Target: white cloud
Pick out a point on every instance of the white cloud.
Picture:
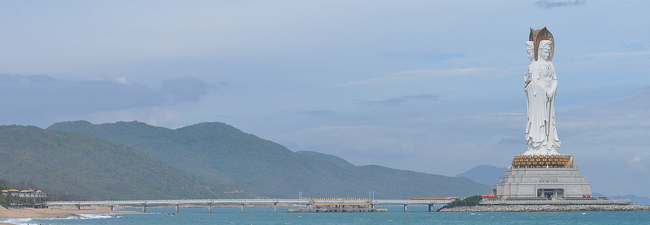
(121, 80)
(428, 75)
(636, 164)
(609, 56)
(399, 100)
(546, 4)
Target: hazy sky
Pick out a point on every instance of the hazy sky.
(430, 86)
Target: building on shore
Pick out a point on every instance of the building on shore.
(35, 197)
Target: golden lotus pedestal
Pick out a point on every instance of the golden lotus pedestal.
(543, 161)
(542, 177)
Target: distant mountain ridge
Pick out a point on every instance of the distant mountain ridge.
(71, 163)
(638, 199)
(327, 158)
(484, 174)
(221, 153)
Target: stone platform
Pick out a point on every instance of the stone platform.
(544, 208)
(548, 183)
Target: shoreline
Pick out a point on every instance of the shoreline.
(53, 212)
(544, 208)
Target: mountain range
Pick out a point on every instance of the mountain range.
(133, 160)
(219, 152)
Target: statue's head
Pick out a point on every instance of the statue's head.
(530, 50)
(536, 36)
(545, 49)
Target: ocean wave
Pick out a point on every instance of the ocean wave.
(96, 216)
(19, 221)
(83, 217)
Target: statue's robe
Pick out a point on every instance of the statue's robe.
(541, 133)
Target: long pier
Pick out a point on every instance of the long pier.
(371, 203)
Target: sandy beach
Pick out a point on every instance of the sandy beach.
(52, 212)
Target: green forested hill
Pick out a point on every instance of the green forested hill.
(71, 163)
(221, 153)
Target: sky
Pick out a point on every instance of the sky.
(428, 86)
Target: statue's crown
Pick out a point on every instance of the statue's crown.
(536, 36)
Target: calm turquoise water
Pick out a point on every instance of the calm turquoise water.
(395, 215)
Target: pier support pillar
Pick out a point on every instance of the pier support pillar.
(176, 208)
(405, 207)
(144, 208)
(112, 207)
(242, 208)
(275, 207)
(78, 206)
(210, 208)
(431, 206)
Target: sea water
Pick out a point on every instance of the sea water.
(395, 215)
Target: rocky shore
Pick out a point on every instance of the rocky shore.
(544, 208)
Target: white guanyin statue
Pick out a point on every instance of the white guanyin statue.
(540, 86)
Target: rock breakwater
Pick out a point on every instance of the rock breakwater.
(544, 208)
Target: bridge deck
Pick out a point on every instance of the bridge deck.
(250, 201)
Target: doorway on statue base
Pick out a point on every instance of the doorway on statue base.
(550, 193)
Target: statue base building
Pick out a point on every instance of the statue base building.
(542, 177)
